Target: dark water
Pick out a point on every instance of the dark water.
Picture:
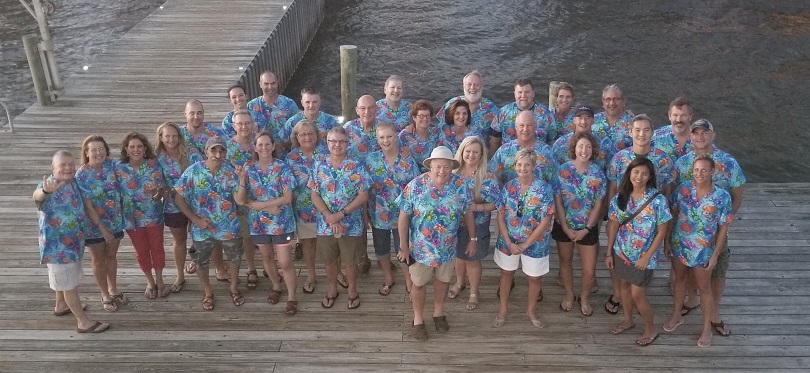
(80, 29)
(745, 65)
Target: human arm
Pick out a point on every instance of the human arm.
(180, 201)
(95, 219)
(469, 222)
(612, 228)
(49, 185)
(403, 225)
(736, 199)
(721, 239)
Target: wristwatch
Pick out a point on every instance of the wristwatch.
(474, 239)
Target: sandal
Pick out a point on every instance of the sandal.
(585, 309)
(643, 342)
(386, 289)
(720, 329)
(97, 327)
(253, 282)
(151, 292)
(685, 310)
(472, 303)
(237, 298)
(328, 302)
(498, 322)
(292, 307)
(109, 305)
(566, 305)
(191, 268)
(352, 305)
(540, 296)
(176, 287)
(68, 311)
(121, 298)
(621, 328)
(273, 296)
(208, 303)
(453, 292)
(163, 291)
(309, 287)
(612, 307)
(535, 322)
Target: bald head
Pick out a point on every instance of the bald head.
(194, 113)
(366, 109)
(269, 84)
(526, 126)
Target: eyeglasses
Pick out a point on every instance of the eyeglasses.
(422, 116)
(306, 134)
(342, 142)
(612, 99)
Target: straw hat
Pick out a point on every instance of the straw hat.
(441, 152)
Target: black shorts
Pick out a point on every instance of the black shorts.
(590, 239)
(274, 239)
(176, 220)
(98, 240)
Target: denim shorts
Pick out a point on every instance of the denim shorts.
(98, 240)
(382, 239)
(482, 247)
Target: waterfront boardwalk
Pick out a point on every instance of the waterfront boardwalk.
(192, 49)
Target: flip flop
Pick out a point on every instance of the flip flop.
(720, 329)
(164, 291)
(97, 327)
(67, 311)
(121, 298)
(352, 305)
(686, 309)
(151, 292)
(341, 279)
(535, 322)
(613, 306)
(646, 342)
(177, 287)
(703, 344)
(566, 305)
(328, 302)
(191, 268)
(498, 322)
(672, 329)
(109, 305)
(386, 289)
(309, 287)
(582, 308)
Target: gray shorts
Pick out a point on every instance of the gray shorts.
(631, 274)
(200, 251)
(719, 272)
(274, 239)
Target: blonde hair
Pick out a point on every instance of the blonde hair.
(182, 150)
(480, 171)
(86, 146)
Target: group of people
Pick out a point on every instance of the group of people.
(272, 175)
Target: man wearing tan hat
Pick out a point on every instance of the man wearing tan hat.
(431, 207)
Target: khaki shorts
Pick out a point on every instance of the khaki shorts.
(347, 248)
(421, 274)
(719, 272)
(307, 230)
(200, 251)
(64, 276)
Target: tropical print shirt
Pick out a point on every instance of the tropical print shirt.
(337, 187)
(238, 155)
(276, 114)
(490, 192)
(140, 209)
(579, 192)
(664, 139)
(483, 115)
(301, 167)
(360, 142)
(449, 138)
(259, 124)
(197, 143)
(323, 121)
(434, 217)
(502, 163)
(727, 172)
(664, 167)
(618, 133)
(398, 116)
(698, 220)
(506, 122)
(101, 188)
(265, 185)
(61, 225)
(559, 150)
(420, 148)
(387, 183)
(562, 127)
(636, 237)
(210, 196)
(524, 209)
(171, 173)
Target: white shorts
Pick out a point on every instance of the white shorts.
(306, 230)
(533, 267)
(64, 277)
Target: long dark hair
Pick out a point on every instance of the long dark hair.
(626, 186)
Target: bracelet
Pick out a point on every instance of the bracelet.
(343, 211)
(43, 191)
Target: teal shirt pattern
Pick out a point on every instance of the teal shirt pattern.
(101, 188)
(61, 225)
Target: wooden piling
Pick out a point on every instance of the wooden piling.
(553, 89)
(348, 81)
(31, 45)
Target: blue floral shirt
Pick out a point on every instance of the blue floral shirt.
(360, 142)
(559, 150)
(323, 121)
(265, 185)
(301, 167)
(484, 114)
(140, 210)
(579, 192)
(420, 148)
(524, 209)
(61, 225)
(434, 217)
(664, 139)
(562, 127)
(727, 172)
(399, 116)
(664, 167)
(490, 192)
(618, 133)
(171, 173)
(506, 122)
(276, 114)
(636, 237)
(197, 143)
(337, 187)
(210, 196)
(238, 155)
(502, 163)
(449, 138)
(695, 232)
(387, 183)
(259, 124)
(101, 188)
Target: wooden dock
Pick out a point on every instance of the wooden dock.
(192, 49)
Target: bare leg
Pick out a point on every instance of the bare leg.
(202, 274)
(587, 258)
(270, 265)
(179, 240)
(565, 251)
(534, 293)
(385, 264)
(332, 268)
(506, 287)
(284, 254)
(439, 295)
(474, 274)
(233, 271)
(99, 264)
(639, 295)
(112, 266)
(461, 273)
(418, 303)
(250, 253)
(71, 297)
(679, 288)
(308, 246)
(704, 283)
(219, 261)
